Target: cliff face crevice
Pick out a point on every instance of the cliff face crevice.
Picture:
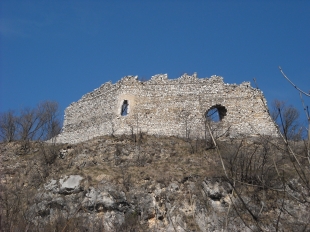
(167, 107)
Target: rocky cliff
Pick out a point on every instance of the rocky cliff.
(149, 183)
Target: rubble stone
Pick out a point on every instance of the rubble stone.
(168, 107)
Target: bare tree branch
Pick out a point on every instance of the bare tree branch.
(308, 95)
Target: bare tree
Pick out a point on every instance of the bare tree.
(8, 126)
(49, 116)
(40, 123)
(296, 87)
(29, 123)
(287, 118)
(306, 108)
(110, 117)
(185, 118)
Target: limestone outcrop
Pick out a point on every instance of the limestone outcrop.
(153, 183)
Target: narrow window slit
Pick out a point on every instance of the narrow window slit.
(124, 110)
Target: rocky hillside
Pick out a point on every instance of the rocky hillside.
(148, 183)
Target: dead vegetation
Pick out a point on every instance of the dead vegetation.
(262, 174)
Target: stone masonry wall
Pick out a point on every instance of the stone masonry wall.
(170, 107)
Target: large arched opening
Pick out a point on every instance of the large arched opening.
(216, 113)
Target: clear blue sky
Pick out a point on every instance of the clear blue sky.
(60, 50)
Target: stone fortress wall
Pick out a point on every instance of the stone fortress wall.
(169, 107)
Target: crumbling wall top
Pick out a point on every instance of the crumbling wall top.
(159, 77)
(128, 79)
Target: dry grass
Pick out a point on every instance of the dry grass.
(148, 160)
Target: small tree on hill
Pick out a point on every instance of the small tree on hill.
(40, 123)
(287, 118)
(8, 127)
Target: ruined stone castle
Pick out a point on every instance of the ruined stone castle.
(169, 107)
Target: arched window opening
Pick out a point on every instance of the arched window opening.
(216, 113)
(124, 109)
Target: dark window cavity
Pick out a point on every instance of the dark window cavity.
(216, 113)
(124, 110)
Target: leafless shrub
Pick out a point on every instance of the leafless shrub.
(13, 205)
(40, 123)
(287, 117)
(8, 127)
